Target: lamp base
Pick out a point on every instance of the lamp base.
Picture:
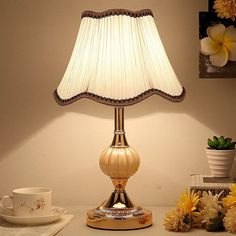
(119, 213)
(100, 220)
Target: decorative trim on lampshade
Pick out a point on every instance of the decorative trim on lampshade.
(119, 60)
(122, 102)
(116, 12)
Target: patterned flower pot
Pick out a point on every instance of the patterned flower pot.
(220, 161)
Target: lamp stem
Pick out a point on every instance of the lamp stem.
(119, 132)
(119, 118)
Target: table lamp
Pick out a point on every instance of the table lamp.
(118, 60)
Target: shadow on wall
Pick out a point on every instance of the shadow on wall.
(36, 45)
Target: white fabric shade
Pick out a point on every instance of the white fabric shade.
(118, 57)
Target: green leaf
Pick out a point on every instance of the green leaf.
(210, 143)
(215, 139)
(227, 144)
(230, 139)
(232, 146)
(221, 146)
(221, 140)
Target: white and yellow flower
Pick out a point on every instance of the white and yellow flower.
(211, 206)
(211, 201)
(220, 44)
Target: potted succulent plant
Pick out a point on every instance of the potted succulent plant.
(220, 153)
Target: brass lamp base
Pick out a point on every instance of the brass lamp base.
(126, 223)
(119, 213)
(119, 161)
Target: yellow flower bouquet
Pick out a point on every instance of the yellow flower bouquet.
(196, 210)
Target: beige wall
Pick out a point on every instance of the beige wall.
(43, 144)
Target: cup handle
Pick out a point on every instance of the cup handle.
(2, 199)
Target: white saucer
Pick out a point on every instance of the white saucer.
(57, 212)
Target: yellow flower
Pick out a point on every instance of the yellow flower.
(230, 220)
(225, 8)
(176, 220)
(220, 44)
(188, 202)
(230, 200)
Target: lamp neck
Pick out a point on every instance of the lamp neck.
(119, 132)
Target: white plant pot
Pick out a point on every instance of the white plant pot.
(220, 161)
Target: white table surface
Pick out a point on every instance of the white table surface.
(78, 227)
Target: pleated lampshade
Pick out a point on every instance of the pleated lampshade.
(118, 59)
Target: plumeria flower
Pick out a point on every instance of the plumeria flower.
(220, 44)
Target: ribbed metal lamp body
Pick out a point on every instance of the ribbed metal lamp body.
(119, 162)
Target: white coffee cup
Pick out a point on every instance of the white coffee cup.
(34, 201)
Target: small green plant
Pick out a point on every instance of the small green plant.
(221, 143)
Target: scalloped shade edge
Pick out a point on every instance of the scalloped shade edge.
(121, 102)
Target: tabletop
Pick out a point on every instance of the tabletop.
(78, 226)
